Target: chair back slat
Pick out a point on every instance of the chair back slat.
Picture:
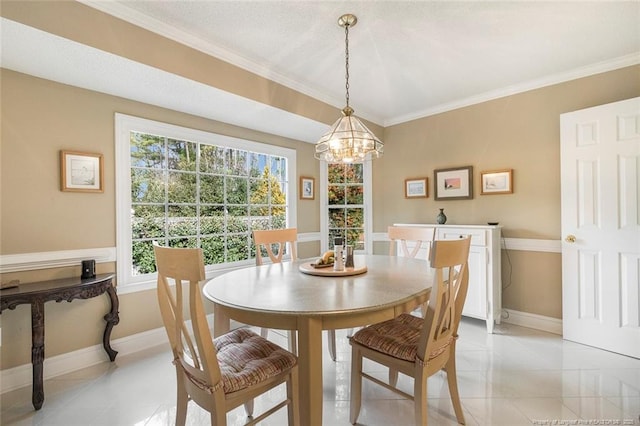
(276, 242)
(401, 236)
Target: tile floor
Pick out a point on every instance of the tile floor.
(517, 376)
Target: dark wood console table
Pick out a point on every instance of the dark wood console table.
(36, 294)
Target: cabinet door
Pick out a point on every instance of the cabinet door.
(476, 303)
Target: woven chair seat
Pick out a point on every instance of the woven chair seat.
(397, 337)
(247, 359)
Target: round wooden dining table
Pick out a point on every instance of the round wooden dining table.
(281, 296)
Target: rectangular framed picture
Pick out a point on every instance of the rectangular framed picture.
(496, 182)
(307, 188)
(416, 188)
(81, 172)
(453, 184)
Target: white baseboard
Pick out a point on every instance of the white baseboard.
(537, 322)
(21, 376)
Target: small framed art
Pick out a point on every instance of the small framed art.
(416, 188)
(496, 182)
(453, 184)
(81, 172)
(307, 188)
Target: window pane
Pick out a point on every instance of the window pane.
(147, 150)
(336, 218)
(279, 168)
(211, 220)
(355, 218)
(336, 173)
(354, 173)
(257, 163)
(237, 162)
(182, 187)
(336, 195)
(211, 189)
(260, 223)
(355, 194)
(237, 248)
(278, 219)
(237, 219)
(182, 221)
(144, 261)
(181, 155)
(212, 249)
(211, 159)
(147, 221)
(147, 186)
(236, 190)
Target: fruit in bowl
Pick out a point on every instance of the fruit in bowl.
(327, 258)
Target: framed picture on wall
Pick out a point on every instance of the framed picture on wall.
(496, 182)
(416, 188)
(81, 172)
(307, 188)
(453, 184)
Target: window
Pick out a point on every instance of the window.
(346, 195)
(187, 188)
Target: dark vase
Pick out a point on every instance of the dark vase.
(441, 218)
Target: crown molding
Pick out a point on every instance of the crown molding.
(598, 68)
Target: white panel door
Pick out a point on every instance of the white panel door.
(600, 171)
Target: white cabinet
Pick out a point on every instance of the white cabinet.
(484, 298)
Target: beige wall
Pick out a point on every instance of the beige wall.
(39, 118)
(520, 132)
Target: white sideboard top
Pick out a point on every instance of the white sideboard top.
(450, 225)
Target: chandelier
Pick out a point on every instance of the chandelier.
(348, 140)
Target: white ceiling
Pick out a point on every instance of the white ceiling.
(408, 59)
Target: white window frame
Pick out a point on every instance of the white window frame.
(367, 181)
(124, 125)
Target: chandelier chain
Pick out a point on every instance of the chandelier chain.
(348, 140)
(346, 54)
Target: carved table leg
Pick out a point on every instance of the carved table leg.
(37, 352)
(112, 318)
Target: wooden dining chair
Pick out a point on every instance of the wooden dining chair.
(419, 347)
(275, 243)
(223, 373)
(402, 237)
(409, 241)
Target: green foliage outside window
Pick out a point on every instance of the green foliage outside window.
(187, 194)
(346, 204)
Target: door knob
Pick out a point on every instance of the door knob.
(570, 239)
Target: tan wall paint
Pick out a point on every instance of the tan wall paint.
(521, 132)
(39, 118)
(532, 282)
